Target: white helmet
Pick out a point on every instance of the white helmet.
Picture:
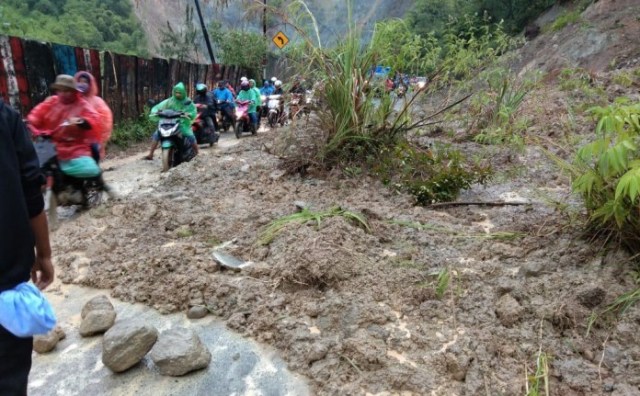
(278, 83)
(273, 80)
(244, 79)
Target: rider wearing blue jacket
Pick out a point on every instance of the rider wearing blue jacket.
(224, 94)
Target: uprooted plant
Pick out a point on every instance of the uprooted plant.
(357, 125)
(307, 215)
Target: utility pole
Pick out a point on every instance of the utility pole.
(264, 32)
(204, 32)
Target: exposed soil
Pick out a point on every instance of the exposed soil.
(358, 312)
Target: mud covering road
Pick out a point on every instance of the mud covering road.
(359, 311)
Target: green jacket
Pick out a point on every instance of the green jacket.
(249, 94)
(184, 105)
(257, 93)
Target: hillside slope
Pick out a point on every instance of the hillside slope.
(330, 14)
(606, 34)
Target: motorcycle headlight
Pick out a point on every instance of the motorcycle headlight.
(263, 98)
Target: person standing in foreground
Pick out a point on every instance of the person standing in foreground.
(23, 225)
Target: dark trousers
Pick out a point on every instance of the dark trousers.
(15, 363)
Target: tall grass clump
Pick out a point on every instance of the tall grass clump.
(356, 126)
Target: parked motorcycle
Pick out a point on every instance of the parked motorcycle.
(175, 147)
(203, 132)
(275, 112)
(223, 119)
(243, 123)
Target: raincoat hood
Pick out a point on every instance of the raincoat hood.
(93, 85)
(253, 81)
(179, 87)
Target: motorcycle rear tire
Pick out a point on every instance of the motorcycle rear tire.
(167, 159)
(272, 120)
(238, 129)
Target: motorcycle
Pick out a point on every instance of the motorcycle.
(204, 134)
(175, 147)
(296, 105)
(62, 189)
(275, 110)
(223, 120)
(243, 123)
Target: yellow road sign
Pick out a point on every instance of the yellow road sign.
(280, 40)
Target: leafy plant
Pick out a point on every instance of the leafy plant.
(133, 130)
(241, 48)
(437, 174)
(180, 44)
(306, 215)
(607, 173)
(442, 282)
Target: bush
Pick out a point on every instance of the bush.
(132, 131)
(607, 174)
(437, 174)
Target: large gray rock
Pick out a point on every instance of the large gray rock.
(46, 343)
(126, 343)
(98, 315)
(180, 351)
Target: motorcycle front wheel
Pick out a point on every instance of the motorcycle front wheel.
(167, 159)
(238, 129)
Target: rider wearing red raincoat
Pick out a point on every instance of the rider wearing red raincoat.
(69, 119)
(88, 86)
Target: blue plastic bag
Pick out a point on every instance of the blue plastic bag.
(25, 312)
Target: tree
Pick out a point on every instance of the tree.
(180, 44)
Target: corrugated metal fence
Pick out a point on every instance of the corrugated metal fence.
(28, 67)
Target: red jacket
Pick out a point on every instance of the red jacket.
(71, 141)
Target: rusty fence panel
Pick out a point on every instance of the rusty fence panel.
(126, 83)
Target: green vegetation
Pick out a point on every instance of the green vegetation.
(131, 131)
(306, 215)
(431, 175)
(567, 18)
(442, 282)
(538, 383)
(241, 48)
(180, 44)
(101, 24)
(607, 173)
(432, 15)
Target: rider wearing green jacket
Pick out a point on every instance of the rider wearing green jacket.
(246, 93)
(178, 102)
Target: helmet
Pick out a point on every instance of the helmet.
(201, 87)
(244, 85)
(273, 79)
(244, 79)
(278, 83)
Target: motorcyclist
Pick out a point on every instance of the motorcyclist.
(278, 88)
(267, 88)
(88, 86)
(258, 96)
(70, 120)
(178, 102)
(246, 93)
(297, 87)
(222, 93)
(205, 103)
